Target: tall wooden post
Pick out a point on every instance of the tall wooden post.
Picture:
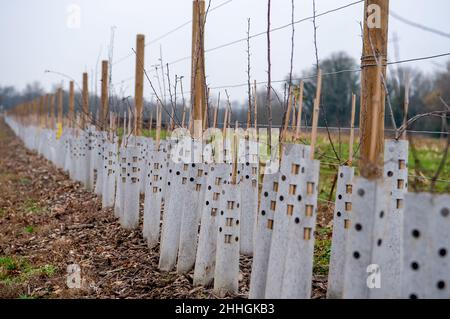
(104, 98)
(46, 101)
(300, 109)
(406, 106)
(352, 131)
(52, 111)
(139, 84)
(376, 18)
(198, 87)
(41, 111)
(71, 104)
(60, 106)
(85, 93)
(315, 120)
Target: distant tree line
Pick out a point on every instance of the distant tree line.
(428, 92)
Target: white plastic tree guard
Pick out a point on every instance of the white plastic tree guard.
(83, 159)
(109, 175)
(131, 198)
(190, 217)
(289, 183)
(298, 267)
(141, 144)
(249, 195)
(426, 247)
(91, 132)
(99, 151)
(226, 271)
(367, 256)
(170, 235)
(341, 226)
(121, 178)
(157, 181)
(263, 236)
(211, 205)
(67, 154)
(146, 156)
(73, 158)
(396, 172)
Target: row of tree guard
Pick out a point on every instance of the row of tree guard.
(204, 214)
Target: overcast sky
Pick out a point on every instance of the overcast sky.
(35, 35)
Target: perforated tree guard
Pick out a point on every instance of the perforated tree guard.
(157, 182)
(206, 252)
(290, 200)
(263, 236)
(175, 194)
(226, 272)
(131, 199)
(109, 175)
(341, 227)
(426, 247)
(249, 195)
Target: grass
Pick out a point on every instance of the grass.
(29, 229)
(26, 297)
(33, 207)
(322, 251)
(17, 270)
(2, 212)
(147, 133)
(24, 181)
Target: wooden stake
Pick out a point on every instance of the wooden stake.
(352, 131)
(46, 109)
(52, 111)
(316, 113)
(294, 113)
(375, 42)
(406, 106)
(158, 125)
(216, 111)
(225, 121)
(60, 106)
(104, 98)
(85, 116)
(288, 117)
(205, 117)
(139, 84)
(376, 123)
(71, 104)
(300, 109)
(198, 100)
(183, 118)
(235, 154)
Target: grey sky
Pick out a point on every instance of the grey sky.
(35, 37)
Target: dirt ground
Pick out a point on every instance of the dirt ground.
(48, 222)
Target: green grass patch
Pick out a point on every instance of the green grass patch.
(32, 206)
(17, 270)
(147, 133)
(24, 181)
(29, 229)
(2, 212)
(322, 251)
(26, 297)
